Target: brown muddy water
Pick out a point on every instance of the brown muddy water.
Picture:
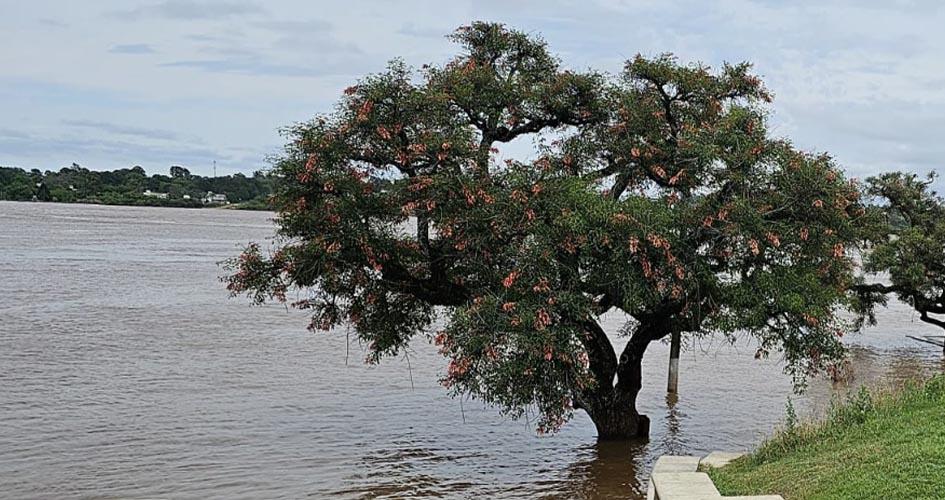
(125, 371)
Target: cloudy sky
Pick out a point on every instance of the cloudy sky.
(111, 84)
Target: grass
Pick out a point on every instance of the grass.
(880, 445)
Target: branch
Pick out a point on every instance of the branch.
(434, 291)
(876, 288)
(930, 320)
(603, 358)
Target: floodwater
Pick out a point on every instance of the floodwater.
(125, 371)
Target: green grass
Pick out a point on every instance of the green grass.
(882, 446)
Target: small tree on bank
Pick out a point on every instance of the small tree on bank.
(658, 194)
(908, 246)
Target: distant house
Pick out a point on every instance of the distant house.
(152, 194)
(186, 197)
(214, 198)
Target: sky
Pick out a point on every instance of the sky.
(112, 84)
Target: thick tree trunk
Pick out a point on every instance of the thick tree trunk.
(612, 407)
(616, 418)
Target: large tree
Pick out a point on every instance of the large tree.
(907, 246)
(658, 193)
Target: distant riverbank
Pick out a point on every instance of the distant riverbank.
(134, 187)
(258, 205)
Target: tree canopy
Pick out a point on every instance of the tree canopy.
(658, 192)
(907, 245)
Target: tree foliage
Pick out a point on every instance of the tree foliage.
(908, 245)
(657, 192)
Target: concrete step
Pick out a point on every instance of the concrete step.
(675, 477)
(671, 463)
(684, 486)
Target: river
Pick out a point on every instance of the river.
(126, 371)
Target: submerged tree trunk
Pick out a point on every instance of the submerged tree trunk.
(612, 407)
(616, 418)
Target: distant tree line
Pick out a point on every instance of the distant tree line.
(127, 186)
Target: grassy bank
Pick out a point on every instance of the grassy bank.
(887, 446)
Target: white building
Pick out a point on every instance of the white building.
(152, 194)
(213, 198)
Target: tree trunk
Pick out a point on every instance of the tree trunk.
(616, 418)
(612, 407)
(672, 385)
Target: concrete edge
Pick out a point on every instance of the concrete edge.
(676, 477)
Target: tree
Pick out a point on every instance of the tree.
(908, 246)
(658, 194)
(178, 171)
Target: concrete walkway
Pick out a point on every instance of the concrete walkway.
(677, 478)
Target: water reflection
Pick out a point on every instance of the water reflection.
(672, 439)
(607, 469)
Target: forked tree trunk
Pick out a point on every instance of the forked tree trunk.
(613, 408)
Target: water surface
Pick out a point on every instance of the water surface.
(126, 372)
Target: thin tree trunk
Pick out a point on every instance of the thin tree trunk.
(672, 385)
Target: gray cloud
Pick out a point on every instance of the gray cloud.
(53, 23)
(255, 66)
(132, 48)
(108, 153)
(284, 48)
(191, 10)
(128, 130)
(296, 25)
(413, 30)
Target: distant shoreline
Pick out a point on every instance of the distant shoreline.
(247, 206)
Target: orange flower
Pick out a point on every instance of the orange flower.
(773, 239)
(838, 250)
(542, 319)
(365, 110)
